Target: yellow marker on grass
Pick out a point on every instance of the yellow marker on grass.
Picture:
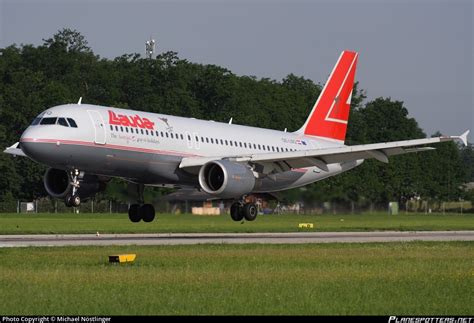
(123, 258)
(305, 225)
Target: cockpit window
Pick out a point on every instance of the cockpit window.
(63, 122)
(48, 121)
(72, 122)
(36, 121)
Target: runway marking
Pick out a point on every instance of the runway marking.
(230, 238)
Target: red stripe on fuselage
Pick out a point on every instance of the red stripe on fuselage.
(118, 147)
(125, 148)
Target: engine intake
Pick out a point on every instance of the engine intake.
(226, 179)
(58, 184)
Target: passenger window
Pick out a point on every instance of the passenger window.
(231, 142)
(126, 129)
(212, 141)
(72, 123)
(112, 128)
(207, 140)
(167, 136)
(116, 128)
(263, 147)
(182, 138)
(226, 143)
(48, 121)
(245, 144)
(259, 147)
(171, 135)
(121, 129)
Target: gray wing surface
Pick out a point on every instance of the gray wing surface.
(284, 161)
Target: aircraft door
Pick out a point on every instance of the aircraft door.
(99, 126)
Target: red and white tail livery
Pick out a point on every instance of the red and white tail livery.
(330, 114)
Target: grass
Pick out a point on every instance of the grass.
(119, 223)
(420, 278)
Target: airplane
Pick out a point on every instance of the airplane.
(86, 145)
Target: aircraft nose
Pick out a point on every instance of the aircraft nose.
(30, 144)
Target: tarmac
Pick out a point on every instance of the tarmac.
(98, 239)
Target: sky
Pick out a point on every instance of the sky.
(419, 52)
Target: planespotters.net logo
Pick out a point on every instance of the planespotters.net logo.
(407, 319)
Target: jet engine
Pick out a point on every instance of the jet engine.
(226, 179)
(58, 184)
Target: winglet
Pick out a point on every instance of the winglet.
(463, 137)
(80, 101)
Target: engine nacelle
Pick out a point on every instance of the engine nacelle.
(226, 179)
(58, 184)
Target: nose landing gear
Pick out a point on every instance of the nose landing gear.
(73, 199)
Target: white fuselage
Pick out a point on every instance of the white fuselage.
(147, 147)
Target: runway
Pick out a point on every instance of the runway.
(229, 238)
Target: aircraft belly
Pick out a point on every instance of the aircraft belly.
(144, 167)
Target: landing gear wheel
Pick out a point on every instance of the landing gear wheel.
(133, 213)
(250, 211)
(147, 212)
(75, 200)
(236, 212)
(68, 201)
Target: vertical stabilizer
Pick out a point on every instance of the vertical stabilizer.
(330, 114)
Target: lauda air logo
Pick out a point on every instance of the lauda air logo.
(128, 121)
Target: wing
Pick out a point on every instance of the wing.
(280, 162)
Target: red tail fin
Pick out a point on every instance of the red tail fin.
(330, 114)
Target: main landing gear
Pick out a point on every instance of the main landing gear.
(140, 211)
(240, 210)
(145, 212)
(73, 199)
